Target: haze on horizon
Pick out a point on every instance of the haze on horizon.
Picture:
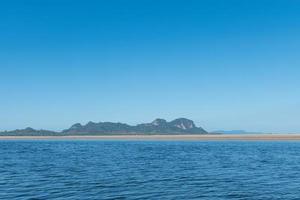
(224, 64)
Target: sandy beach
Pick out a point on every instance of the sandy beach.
(252, 137)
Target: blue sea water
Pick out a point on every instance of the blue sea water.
(149, 170)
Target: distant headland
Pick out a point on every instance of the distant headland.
(180, 126)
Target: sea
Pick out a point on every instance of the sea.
(70, 170)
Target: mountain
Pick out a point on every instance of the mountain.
(92, 128)
(158, 126)
(29, 132)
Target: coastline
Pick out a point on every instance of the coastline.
(209, 137)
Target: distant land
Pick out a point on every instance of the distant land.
(240, 132)
(178, 126)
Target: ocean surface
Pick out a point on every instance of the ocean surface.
(149, 170)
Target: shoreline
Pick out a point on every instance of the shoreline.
(210, 137)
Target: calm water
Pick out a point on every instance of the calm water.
(149, 170)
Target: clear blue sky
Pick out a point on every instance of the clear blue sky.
(225, 64)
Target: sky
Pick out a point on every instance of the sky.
(226, 64)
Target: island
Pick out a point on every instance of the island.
(180, 129)
(180, 126)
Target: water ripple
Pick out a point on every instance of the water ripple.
(149, 170)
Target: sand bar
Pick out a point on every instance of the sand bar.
(210, 137)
